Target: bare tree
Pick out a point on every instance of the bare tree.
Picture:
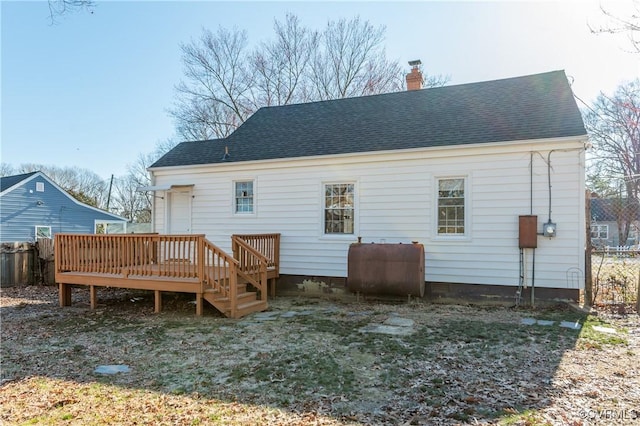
(622, 24)
(225, 83)
(197, 118)
(84, 185)
(216, 95)
(58, 8)
(280, 65)
(613, 124)
(352, 62)
(6, 169)
(127, 201)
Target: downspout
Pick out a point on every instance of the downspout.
(533, 263)
(531, 183)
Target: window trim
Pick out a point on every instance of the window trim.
(40, 227)
(356, 209)
(234, 205)
(466, 236)
(600, 226)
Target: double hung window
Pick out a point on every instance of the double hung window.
(339, 208)
(243, 197)
(451, 207)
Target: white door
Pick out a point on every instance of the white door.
(180, 212)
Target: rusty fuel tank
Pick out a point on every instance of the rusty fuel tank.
(386, 269)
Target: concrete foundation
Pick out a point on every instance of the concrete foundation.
(437, 292)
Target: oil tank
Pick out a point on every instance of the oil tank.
(386, 269)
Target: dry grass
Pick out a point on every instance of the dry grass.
(615, 283)
(310, 366)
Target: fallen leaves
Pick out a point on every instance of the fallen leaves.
(459, 365)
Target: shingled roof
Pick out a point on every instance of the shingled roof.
(532, 107)
(7, 182)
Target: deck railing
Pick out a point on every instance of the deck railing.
(266, 244)
(129, 254)
(146, 255)
(190, 258)
(218, 270)
(252, 265)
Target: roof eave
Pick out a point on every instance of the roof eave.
(577, 138)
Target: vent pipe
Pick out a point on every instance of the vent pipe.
(226, 156)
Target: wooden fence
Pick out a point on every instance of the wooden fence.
(26, 263)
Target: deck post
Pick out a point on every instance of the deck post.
(273, 288)
(199, 304)
(233, 291)
(64, 294)
(158, 301)
(92, 297)
(200, 259)
(264, 282)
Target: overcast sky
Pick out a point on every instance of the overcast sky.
(92, 90)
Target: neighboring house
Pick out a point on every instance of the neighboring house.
(450, 167)
(33, 206)
(607, 214)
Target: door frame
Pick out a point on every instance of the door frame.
(169, 203)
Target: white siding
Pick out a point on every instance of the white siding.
(396, 202)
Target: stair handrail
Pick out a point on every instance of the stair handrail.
(267, 244)
(252, 265)
(223, 266)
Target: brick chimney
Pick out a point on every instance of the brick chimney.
(414, 78)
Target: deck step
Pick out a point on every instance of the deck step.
(246, 303)
(241, 297)
(247, 308)
(240, 288)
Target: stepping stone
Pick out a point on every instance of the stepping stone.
(266, 316)
(112, 369)
(359, 314)
(607, 330)
(399, 322)
(528, 321)
(545, 323)
(387, 329)
(289, 314)
(572, 325)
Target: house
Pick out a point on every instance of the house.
(452, 168)
(33, 206)
(608, 215)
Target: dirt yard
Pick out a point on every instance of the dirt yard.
(311, 362)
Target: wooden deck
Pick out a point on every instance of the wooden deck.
(235, 285)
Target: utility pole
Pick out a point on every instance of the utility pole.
(109, 195)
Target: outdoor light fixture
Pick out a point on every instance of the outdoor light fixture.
(549, 229)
